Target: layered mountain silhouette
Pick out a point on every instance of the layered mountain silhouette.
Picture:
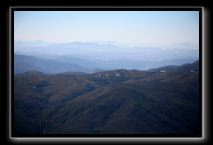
(157, 101)
(88, 56)
(24, 63)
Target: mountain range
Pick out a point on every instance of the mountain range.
(60, 64)
(160, 101)
(89, 56)
(23, 63)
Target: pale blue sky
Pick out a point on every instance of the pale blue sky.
(136, 28)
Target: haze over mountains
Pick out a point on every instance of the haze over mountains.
(91, 88)
(157, 101)
(106, 72)
(89, 56)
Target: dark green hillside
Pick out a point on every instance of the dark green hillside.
(157, 101)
